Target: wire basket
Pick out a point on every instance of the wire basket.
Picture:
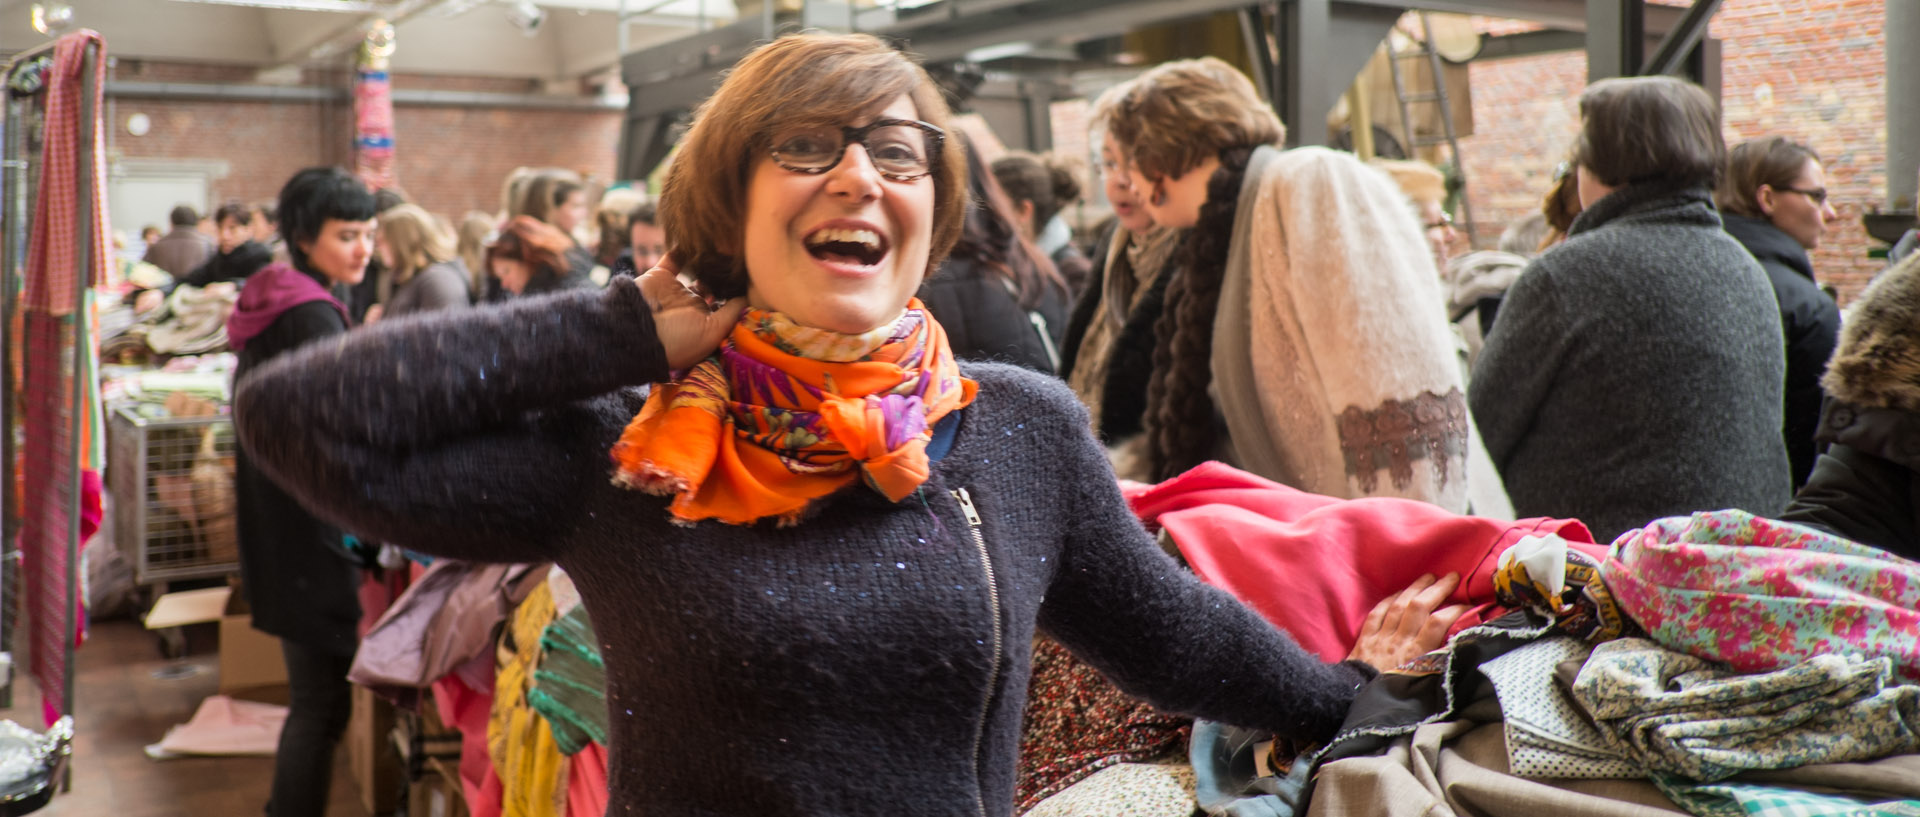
(172, 483)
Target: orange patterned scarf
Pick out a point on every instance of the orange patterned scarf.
(785, 414)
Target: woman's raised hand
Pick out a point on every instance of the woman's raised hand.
(1408, 624)
(688, 327)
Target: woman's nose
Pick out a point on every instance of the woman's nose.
(855, 175)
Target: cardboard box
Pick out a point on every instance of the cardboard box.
(250, 662)
(371, 756)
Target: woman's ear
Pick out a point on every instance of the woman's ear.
(1764, 197)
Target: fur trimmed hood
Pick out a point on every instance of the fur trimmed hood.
(1878, 362)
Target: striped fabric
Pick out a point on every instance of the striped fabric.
(54, 279)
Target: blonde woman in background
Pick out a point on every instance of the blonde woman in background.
(423, 270)
(471, 238)
(610, 224)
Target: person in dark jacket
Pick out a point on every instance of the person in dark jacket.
(239, 257)
(530, 257)
(298, 577)
(182, 250)
(1039, 188)
(997, 295)
(1635, 370)
(1866, 485)
(1774, 202)
(824, 551)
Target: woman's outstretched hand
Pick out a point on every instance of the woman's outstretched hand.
(689, 329)
(1409, 624)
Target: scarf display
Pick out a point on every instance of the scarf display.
(783, 414)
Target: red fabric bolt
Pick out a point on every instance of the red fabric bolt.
(1316, 565)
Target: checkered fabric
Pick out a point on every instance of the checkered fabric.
(54, 280)
(1730, 799)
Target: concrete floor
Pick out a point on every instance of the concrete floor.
(122, 707)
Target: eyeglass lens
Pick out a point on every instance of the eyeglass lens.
(902, 149)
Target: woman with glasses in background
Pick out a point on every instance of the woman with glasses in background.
(817, 550)
(1773, 200)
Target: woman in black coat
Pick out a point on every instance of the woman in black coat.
(298, 576)
(997, 295)
(1773, 200)
(1866, 485)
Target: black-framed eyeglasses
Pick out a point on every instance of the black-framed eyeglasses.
(901, 149)
(1817, 195)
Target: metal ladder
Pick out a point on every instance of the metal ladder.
(1438, 96)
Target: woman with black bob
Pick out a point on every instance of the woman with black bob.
(1774, 202)
(817, 559)
(997, 296)
(1636, 371)
(297, 575)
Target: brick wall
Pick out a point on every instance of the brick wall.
(450, 160)
(1813, 71)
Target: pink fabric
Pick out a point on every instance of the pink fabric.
(465, 709)
(587, 782)
(53, 280)
(1314, 565)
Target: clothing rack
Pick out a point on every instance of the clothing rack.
(40, 571)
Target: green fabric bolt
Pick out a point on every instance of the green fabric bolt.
(570, 687)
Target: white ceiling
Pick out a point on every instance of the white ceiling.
(461, 37)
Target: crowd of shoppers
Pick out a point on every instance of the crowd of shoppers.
(717, 408)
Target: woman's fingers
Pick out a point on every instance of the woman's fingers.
(721, 320)
(1428, 598)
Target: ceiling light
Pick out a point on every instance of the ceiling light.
(526, 16)
(52, 19)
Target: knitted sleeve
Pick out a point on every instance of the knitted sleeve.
(1519, 363)
(1128, 609)
(466, 433)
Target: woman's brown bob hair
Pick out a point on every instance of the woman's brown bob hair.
(542, 247)
(1643, 129)
(803, 80)
(1775, 162)
(1178, 114)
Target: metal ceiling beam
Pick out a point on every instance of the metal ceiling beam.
(1303, 29)
(1616, 38)
(1679, 43)
(1569, 15)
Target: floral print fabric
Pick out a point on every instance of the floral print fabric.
(1078, 723)
(1679, 715)
(1759, 594)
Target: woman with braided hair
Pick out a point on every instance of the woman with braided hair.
(1304, 338)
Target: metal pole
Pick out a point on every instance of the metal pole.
(1903, 105)
(77, 414)
(11, 211)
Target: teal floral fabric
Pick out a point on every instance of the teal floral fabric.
(1675, 714)
(1732, 799)
(1759, 594)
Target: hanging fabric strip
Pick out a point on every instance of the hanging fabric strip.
(54, 279)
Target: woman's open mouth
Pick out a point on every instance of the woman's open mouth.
(848, 246)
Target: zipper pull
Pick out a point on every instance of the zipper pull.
(966, 506)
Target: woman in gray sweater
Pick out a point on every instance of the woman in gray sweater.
(825, 550)
(1636, 371)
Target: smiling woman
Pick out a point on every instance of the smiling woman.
(822, 549)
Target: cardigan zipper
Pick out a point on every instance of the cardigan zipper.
(993, 675)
